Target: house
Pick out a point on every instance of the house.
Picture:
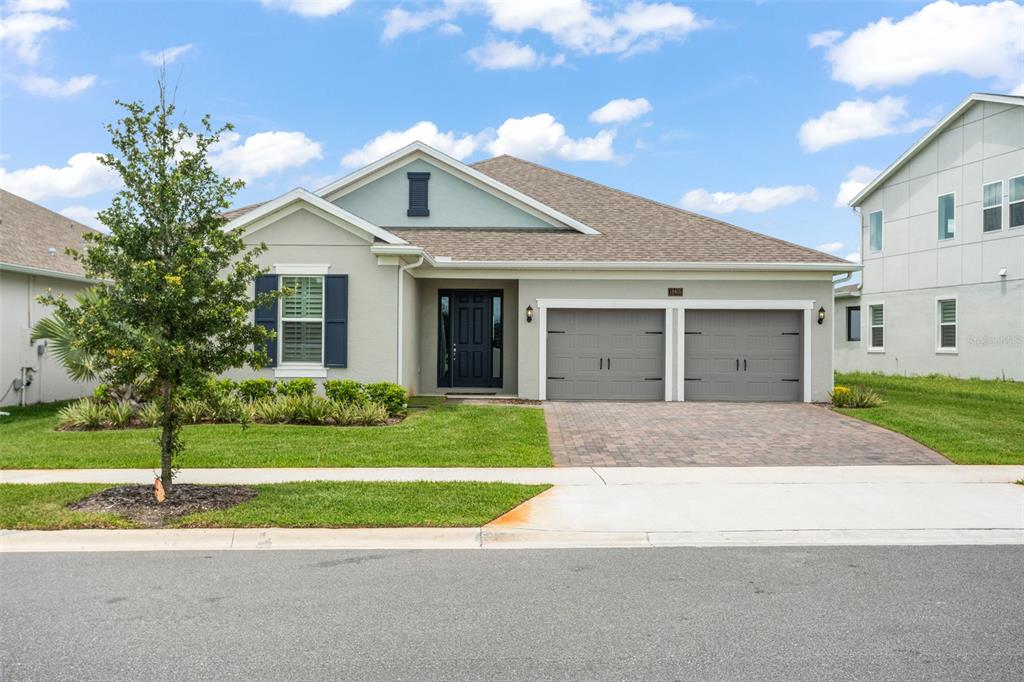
(942, 238)
(32, 261)
(506, 277)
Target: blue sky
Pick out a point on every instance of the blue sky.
(755, 113)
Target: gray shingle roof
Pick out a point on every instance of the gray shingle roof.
(28, 231)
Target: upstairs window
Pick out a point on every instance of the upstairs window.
(877, 313)
(418, 200)
(875, 230)
(853, 323)
(1017, 201)
(947, 216)
(947, 324)
(992, 206)
(302, 320)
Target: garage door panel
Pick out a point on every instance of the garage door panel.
(579, 354)
(719, 341)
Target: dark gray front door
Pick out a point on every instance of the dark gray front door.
(606, 355)
(471, 336)
(743, 355)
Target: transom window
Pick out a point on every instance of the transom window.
(877, 313)
(853, 323)
(1017, 201)
(992, 206)
(947, 216)
(875, 230)
(947, 324)
(302, 320)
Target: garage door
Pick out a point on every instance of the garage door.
(743, 355)
(606, 355)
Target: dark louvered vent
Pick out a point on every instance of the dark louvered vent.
(418, 194)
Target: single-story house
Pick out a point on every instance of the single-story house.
(506, 277)
(33, 241)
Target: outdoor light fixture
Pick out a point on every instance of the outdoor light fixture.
(529, 313)
(821, 314)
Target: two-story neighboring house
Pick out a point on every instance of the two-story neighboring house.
(942, 238)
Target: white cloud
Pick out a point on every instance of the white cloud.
(81, 176)
(853, 257)
(856, 180)
(45, 86)
(452, 144)
(504, 54)
(450, 29)
(35, 5)
(23, 31)
(830, 247)
(1019, 90)
(84, 215)
(540, 136)
(824, 39)
(758, 200)
(573, 24)
(858, 120)
(262, 154)
(621, 110)
(981, 41)
(309, 8)
(165, 56)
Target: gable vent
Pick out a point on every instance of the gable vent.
(418, 194)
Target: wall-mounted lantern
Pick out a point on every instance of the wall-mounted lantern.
(821, 315)
(529, 313)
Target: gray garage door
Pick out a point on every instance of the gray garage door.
(606, 355)
(743, 355)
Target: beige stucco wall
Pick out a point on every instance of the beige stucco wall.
(307, 237)
(845, 352)
(766, 286)
(19, 311)
(913, 267)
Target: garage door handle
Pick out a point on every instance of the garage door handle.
(737, 364)
(609, 363)
(744, 364)
(601, 366)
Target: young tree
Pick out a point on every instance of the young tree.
(177, 303)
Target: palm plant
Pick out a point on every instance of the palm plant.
(57, 330)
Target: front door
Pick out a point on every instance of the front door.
(469, 339)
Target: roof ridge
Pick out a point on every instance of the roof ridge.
(662, 204)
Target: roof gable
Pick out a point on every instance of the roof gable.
(28, 231)
(952, 116)
(469, 174)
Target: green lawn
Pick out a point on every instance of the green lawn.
(434, 435)
(313, 504)
(970, 421)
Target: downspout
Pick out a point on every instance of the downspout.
(402, 269)
(845, 277)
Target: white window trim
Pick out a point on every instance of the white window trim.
(1004, 211)
(301, 369)
(301, 269)
(938, 326)
(673, 379)
(1009, 203)
(870, 326)
(956, 219)
(881, 228)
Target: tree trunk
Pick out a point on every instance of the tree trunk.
(168, 436)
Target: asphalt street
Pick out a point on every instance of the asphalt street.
(654, 614)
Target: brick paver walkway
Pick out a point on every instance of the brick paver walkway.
(720, 434)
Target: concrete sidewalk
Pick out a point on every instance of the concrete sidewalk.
(559, 476)
(631, 507)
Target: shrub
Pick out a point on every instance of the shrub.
(119, 414)
(393, 397)
(306, 409)
(103, 393)
(270, 410)
(149, 414)
(857, 396)
(297, 387)
(82, 414)
(345, 391)
(255, 389)
(226, 409)
(365, 414)
(194, 410)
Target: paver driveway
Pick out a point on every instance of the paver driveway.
(720, 434)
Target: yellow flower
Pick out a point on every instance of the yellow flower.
(841, 390)
(173, 280)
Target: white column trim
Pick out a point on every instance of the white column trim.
(668, 354)
(808, 313)
(681, 356)
(542, 360)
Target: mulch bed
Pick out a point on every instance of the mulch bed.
(137, 503)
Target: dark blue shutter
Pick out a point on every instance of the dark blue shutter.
(418, 205)
(266, 316)
(336, 320)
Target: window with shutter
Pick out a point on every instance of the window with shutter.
(877, 313)
(302, 320)
(947, 324)
(418, 199)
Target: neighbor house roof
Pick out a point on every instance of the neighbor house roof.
(847, 290)
(1012, 100)
(632, 228)
(33, 238)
